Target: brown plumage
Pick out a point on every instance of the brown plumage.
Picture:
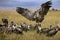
(38, 15)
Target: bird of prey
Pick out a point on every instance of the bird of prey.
(38, 15)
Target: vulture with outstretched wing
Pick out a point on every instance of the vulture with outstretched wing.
(38, 15)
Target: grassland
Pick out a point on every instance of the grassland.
(53, 17)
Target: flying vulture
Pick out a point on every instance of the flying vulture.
(38, 15)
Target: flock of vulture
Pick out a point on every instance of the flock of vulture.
(23, 27)
(37, 16)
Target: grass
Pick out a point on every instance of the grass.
(53, 17)
(14, 16)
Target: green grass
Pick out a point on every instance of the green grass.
(53, 17)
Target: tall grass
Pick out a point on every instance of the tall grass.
(53, 17)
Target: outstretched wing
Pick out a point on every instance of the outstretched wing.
(37, 15)
(40, 13)
(45, 8)
(25, 12)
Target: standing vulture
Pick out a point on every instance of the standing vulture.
(38, 15)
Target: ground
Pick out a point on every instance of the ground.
(52, 18)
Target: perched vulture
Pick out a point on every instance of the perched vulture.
(38, 15)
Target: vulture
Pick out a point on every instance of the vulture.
(52, 32)
(38, 15)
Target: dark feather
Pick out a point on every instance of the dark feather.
(38, 15)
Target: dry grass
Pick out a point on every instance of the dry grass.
(53, 17)
(14, 16)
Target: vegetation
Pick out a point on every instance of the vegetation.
(53, 17)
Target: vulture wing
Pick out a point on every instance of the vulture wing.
(25, 12)
(37, 15)
(40, 13)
